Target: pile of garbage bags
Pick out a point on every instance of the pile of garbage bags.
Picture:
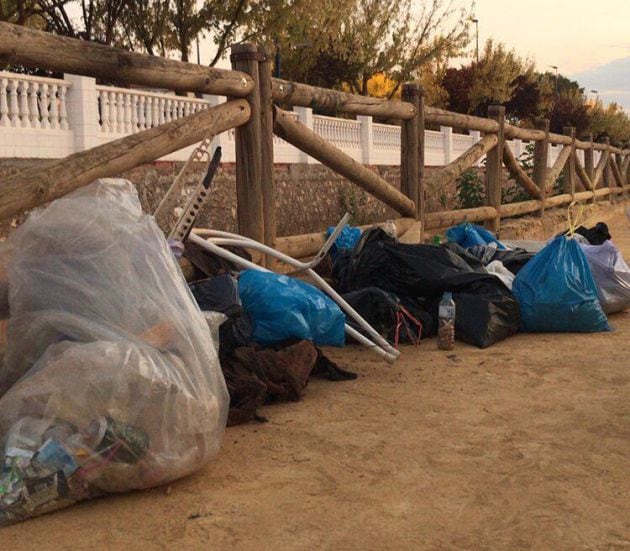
(567, 284)
(110, 380)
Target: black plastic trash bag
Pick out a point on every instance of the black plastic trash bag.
(597, 235)
(385, 312)
(486, 312)
(426, 272)
(220, 294)
(111, 381)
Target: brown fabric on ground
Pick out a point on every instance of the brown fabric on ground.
(257, 376)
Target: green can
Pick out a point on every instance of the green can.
(119, 441)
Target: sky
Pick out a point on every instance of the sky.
(588, 40)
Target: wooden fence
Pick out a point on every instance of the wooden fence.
(253, 110)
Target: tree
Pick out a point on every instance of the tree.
(532, 98)
(495, 75)
(345, 43)
(148, 24)
(610, 121)
(31, 13)
(494, 80)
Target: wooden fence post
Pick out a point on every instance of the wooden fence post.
(267, 179)
(409, 161)
(421, 213)
(249, 196)
(494, 159)
(570, 175)
(541, 154)
(589, 162)
(608, 177)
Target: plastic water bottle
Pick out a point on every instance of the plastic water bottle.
(446, 329)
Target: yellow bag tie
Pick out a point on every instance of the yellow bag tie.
(574, 221)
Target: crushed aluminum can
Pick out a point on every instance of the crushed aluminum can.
(42, 491)
(118, 441)
(53, 457)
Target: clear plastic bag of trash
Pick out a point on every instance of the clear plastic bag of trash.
(611, 275)
(111, 380)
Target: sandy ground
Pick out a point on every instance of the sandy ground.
(525, 445)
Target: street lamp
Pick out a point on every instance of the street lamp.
(476, 22)
(555, 67)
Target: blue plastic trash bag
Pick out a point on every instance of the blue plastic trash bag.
(346, 240)
(468, 235)
(283, 308)
(556, 291)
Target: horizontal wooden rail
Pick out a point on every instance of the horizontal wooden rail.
(304, 95)
(583, 196)
(447, 218)
(558, 200)
(434, 115)
(518, 209)
(317, 147)
(31, 48)
(38, 185)
(309, 244)
(518, 133)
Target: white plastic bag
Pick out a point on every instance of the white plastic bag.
(611, 274)
(111, 380)
(497, 268)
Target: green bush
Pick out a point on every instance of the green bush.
(470, 190)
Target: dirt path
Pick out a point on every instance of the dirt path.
(524, 445)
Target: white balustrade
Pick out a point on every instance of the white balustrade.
(32, 102)
(344, 133)
(126, 111)
(83, 114)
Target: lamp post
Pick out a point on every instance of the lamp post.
(476, 22)
(555, 67)
(277, 60)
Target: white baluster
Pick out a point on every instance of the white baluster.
(142, 121)
(156, 112)
(13, 104)
(23, 97)
(161, 106)
(113, 112)
(32, 105)
(105, 126)
(54, 107)
(168, 105)
(44, 105)
(4, 105)
(63, 112)
(134, 113)
(127, 125)
(120, 112)
(149, 112)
